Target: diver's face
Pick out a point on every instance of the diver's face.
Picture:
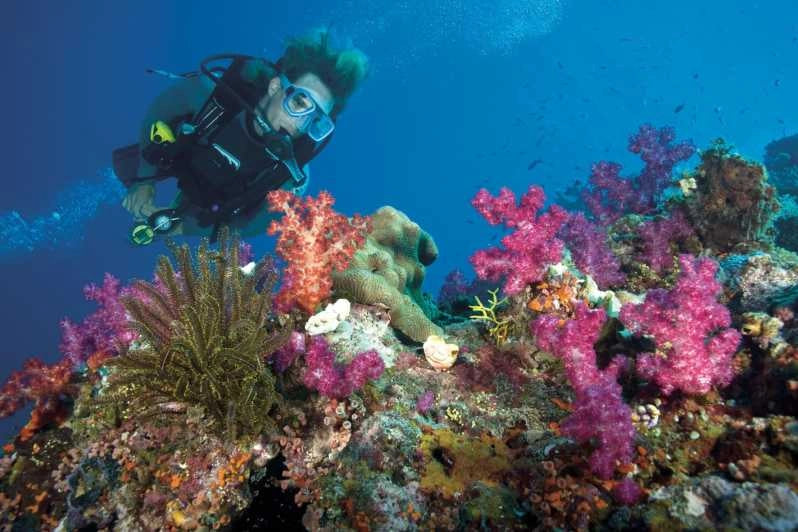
(272, 102)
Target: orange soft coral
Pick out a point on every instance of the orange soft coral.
(314, 240)
(555, 295)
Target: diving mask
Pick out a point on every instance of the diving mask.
(307, 114)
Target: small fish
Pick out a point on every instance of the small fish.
(695, 76)
(534, 163)
(776, 82)
(678, 108)
(559, 65)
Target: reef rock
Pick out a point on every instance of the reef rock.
(713, 503)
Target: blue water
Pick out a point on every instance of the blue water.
(463, 94)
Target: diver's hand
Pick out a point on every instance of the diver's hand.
(140, 200)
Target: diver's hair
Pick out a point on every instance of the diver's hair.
(342, 69)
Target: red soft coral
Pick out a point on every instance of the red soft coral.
(314, 240)
(43, 384)
(532, 245)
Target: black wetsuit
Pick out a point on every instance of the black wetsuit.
(199, 198)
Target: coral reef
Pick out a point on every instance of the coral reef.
(714, 503)
(562, 406)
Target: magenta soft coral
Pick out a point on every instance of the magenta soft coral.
(529, 249)
(101, 330)
(690, 328)
(335, 380)
(657, 237)
(656, 149)
(610, 196)
(587, 242)
(598, 410)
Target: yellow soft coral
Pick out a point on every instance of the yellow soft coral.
(453, 462)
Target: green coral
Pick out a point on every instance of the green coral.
(204, 335)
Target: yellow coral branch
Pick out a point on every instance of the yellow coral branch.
(499, 328)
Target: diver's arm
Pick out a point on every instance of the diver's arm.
(182, 98)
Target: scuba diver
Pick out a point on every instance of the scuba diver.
(231, 133)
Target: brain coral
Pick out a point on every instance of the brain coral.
(389, 270)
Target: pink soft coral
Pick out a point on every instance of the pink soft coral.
(657, 237)
(314, 240)
(102, 330)
(598, 410)
(587, 242)
(331, 379)
(690, 328)
(609, 196)
(532, 245)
